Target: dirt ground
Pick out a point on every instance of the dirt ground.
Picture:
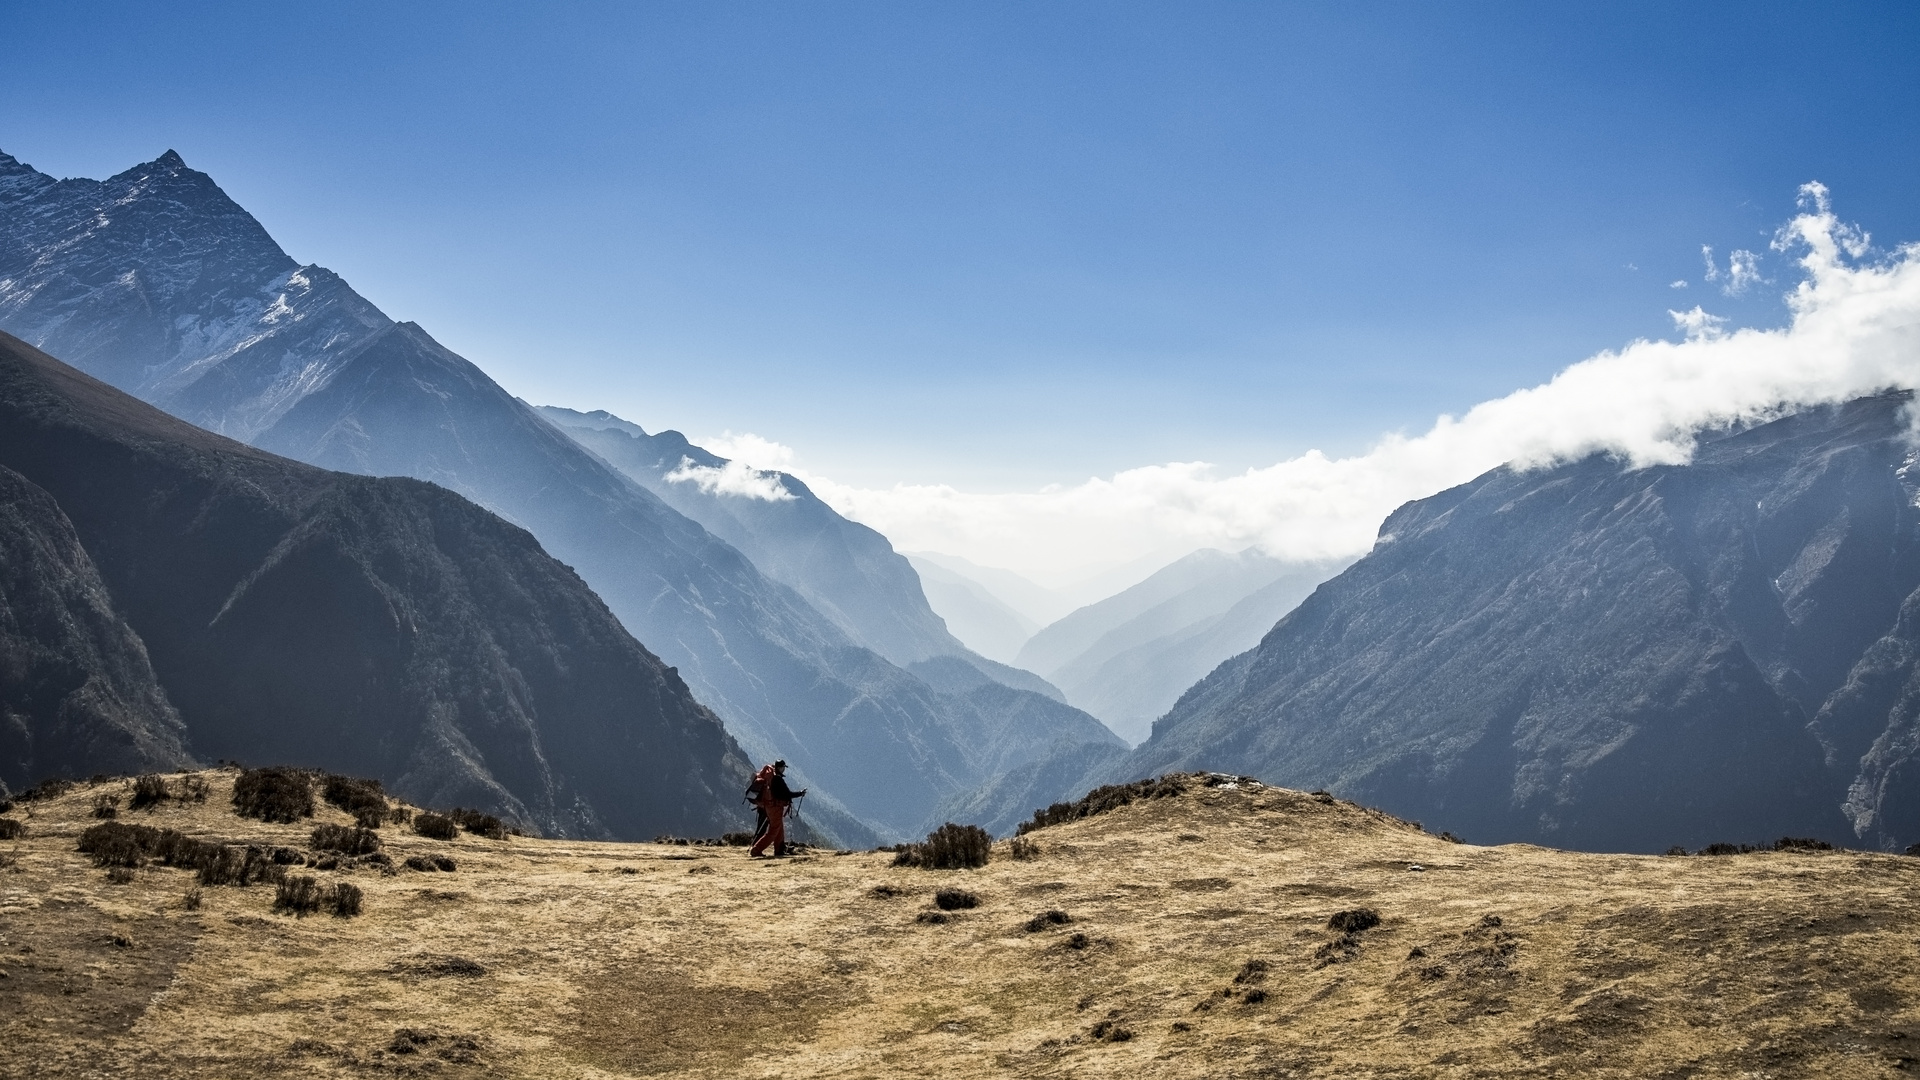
(1195, 943)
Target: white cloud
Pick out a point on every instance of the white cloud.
(734, 478)
(1680, 284)
(1855, 329)
(760, 453)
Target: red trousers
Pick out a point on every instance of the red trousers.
(776, 834)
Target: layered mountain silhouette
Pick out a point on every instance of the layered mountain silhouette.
(1600, 657)
(172, 594)
(158, 283)
(1128, 657)
(985, 622)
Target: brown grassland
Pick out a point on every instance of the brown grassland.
(1195, 943)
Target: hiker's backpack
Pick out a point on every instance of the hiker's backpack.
(762, 783)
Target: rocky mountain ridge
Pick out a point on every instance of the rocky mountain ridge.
(177, 594)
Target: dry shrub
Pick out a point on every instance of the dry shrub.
(886, 892)
(120, 875)
(193, 899)
(459, 1049)
(478, 823)
(1350, 924)
(1253, 971)
(302, 894)
(437, 965)
(1021, 849)
(1047, 918)
(935, 917)
(51, 788)
(949, 847)
(12, 828)
(1801, 843)
(192, 789)
(955, 900)
(298, 893)
(435, 826)
(1728, 849)
(239, 866)
(366, 800)
(1079, 941)
(1110, 797)
(114, 843)
(148, 790)
(430, 863)
(276, 793)
(106, 806)
(1451, 839)
(1110, 1030)
(1354, 921)
(1913, 849)
(347, 840)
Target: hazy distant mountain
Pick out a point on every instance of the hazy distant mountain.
(378, 627)
(847, 571)
(156, 281)
(975, 615)
(1030, 600)
(1604, 658)
(1129, 683)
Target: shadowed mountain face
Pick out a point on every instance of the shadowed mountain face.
(378, 627)
(1597, 657)
(165, 287)
(77, 693)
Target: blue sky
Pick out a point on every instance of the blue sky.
(1005, 245)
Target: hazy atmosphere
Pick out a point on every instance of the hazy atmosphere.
(1351, 541)
(1066, 290)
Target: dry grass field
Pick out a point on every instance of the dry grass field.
(1193, 940)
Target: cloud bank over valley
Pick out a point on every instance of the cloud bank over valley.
(1854, 329)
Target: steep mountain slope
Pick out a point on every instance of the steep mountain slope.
(77, 692)
(1133, 673)
(167, 287)
(982, 620)
(847, 571)
(380, 627)
(1609, 658)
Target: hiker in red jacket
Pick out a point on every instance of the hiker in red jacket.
(776, 801)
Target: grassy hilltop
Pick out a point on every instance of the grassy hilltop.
(1223, 930)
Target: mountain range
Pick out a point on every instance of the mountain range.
(156, 282)
(172, 594)
(1596, 656)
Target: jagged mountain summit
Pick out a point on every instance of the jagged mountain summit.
(1610, 658)
(157, 282)
(176, 594)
